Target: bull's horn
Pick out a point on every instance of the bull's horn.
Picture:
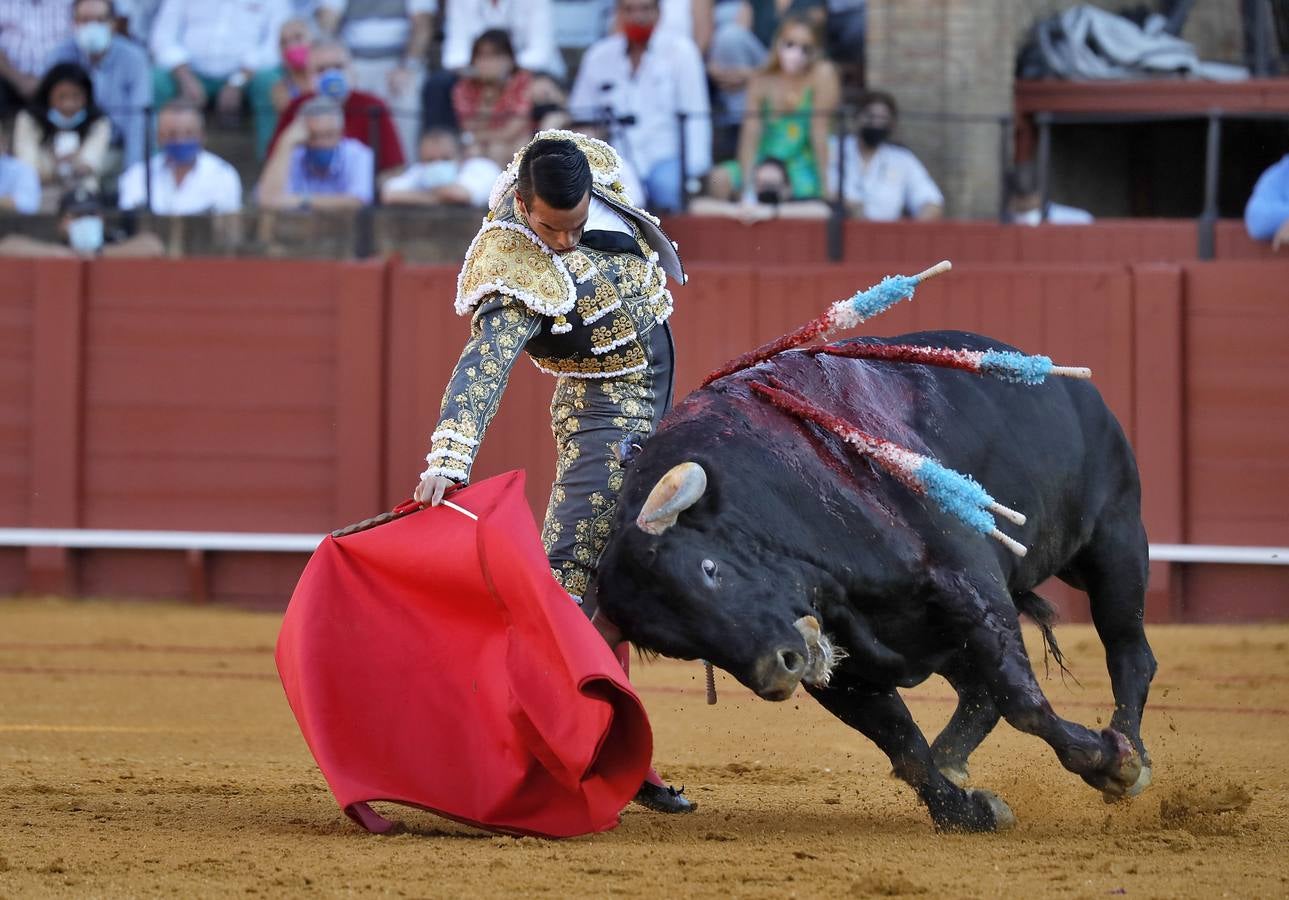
(674, 493)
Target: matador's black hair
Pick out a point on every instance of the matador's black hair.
(555, 170)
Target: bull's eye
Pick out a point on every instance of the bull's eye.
(709, 571)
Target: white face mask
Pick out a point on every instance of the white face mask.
(85, 234)
(438, 173)
(793, 59)
(93, 37)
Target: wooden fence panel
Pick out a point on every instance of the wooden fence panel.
(211, 395)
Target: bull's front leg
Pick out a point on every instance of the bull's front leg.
(881, 716)
(975, 716)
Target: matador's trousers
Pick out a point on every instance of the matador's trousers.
(589, 418)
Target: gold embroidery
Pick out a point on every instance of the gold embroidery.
(630, 358)
(505, 260)
(593, 306)
(498, 332)
(619, 330)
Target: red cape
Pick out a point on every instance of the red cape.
(434, 661)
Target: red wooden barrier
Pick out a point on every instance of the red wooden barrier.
(290, 396)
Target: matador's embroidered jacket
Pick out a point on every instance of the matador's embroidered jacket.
(595, 318)
(582, 314)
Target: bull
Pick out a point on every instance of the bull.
(762, 543)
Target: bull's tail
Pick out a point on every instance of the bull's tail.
(1043, 614)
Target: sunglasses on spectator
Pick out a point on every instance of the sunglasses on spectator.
(789, 45)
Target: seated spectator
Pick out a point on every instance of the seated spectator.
(792, 105)
(314, 166)
(290, 79)
(119, 69)
(64, 136)
(187, 180)
(389, 40)
(724, 32)
(329, 67)
(531, 28)
(884, 181)
(773, 199)
(493, 103)
(1266, 216)
(442, 177)
(81, 226)
(19, 183)
(218, 52)
(1025, 203)
(640, 79)
(29, 32)
(529, 24)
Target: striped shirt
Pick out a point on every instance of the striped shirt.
(31, 29)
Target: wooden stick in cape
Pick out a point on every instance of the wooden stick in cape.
(1007, 365)
(842, 314)
(956, 494)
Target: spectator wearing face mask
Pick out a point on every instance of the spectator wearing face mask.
(442, 177)
(19, 183)
(119, 70)
(83, 234)
(187, 180)
(314, 166)
(1025, 202)
(64, 136)
(389, 40)
(363, 112)
(220, 51)
(29, 32)
(884, 181)
(771, 198)
(493, 102)
(288, 80)
(640, 79)
(791, 106)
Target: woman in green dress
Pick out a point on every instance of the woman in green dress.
(790, 106)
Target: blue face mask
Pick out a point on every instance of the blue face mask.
(182, 153)
(93, 37)
(320, 158)
(65, 123)
(334, 84)
(85, 234)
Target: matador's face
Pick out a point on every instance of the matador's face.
(559, 229)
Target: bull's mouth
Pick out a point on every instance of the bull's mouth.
(822, 654)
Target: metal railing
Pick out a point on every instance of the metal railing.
(1207, 220)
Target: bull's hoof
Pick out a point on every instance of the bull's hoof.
(957, 774)
(1142, 782)
(1123, 772)
(983, 811)
(664, 799)
(1004, 818)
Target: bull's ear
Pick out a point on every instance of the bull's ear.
(674, 493)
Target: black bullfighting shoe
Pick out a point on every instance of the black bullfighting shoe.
(664, 798)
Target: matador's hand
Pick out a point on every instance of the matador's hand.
(431, 490)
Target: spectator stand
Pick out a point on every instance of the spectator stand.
(1238, 122)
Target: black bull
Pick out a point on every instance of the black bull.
(793, 523)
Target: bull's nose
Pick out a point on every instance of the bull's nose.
(779, 673)
(792, 663)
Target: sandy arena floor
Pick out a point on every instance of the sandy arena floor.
(148, 750)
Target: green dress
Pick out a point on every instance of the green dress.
(786, 137)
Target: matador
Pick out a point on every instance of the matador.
(568, 269)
